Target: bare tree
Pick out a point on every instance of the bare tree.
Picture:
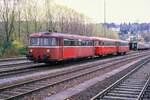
(48, 15)
(7, 17)
(19, 19)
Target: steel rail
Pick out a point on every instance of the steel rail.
(143, 90)
(118, 82)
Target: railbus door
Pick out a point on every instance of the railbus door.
(96, 43)
(61, 51)
(117, 46)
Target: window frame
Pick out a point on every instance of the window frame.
(71, 42)
(42, 41)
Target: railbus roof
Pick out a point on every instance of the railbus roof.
(72, 36)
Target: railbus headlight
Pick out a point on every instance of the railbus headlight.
(48, 50)
(31, 50)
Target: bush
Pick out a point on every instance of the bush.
(22, 51)
(3, 48)
(21, 48)
(10, 49)
(1, 51)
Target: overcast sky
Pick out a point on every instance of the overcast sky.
(116, 10)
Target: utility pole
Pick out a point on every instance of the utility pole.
(104, 18)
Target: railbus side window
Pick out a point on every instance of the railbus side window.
(83, 43)
(34, 41)
(109, 43)
(101, 43)
(116, 43)
(70, 42)
(79, 43)
(124, 44)
(86, 43)
(96, 43)
(66, 42)
(48, 41)
(45, 41)
(105, 43)
(120, 44)
(113, 43)
(90, 43)
(54, 42)
(74, 42)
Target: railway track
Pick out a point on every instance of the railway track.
(12, 59)
(145, 93)
(15, 91)
(19, 69)
(130, 87)
(17, 66)
(11, 62)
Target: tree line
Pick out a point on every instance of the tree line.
(19, 18)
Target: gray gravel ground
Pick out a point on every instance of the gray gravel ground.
(52, 90)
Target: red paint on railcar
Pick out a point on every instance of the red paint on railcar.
(104, 50)
(123, 49)
(77, 51)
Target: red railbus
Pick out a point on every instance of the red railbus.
(51, 46)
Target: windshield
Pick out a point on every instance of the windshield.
(43, 41)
